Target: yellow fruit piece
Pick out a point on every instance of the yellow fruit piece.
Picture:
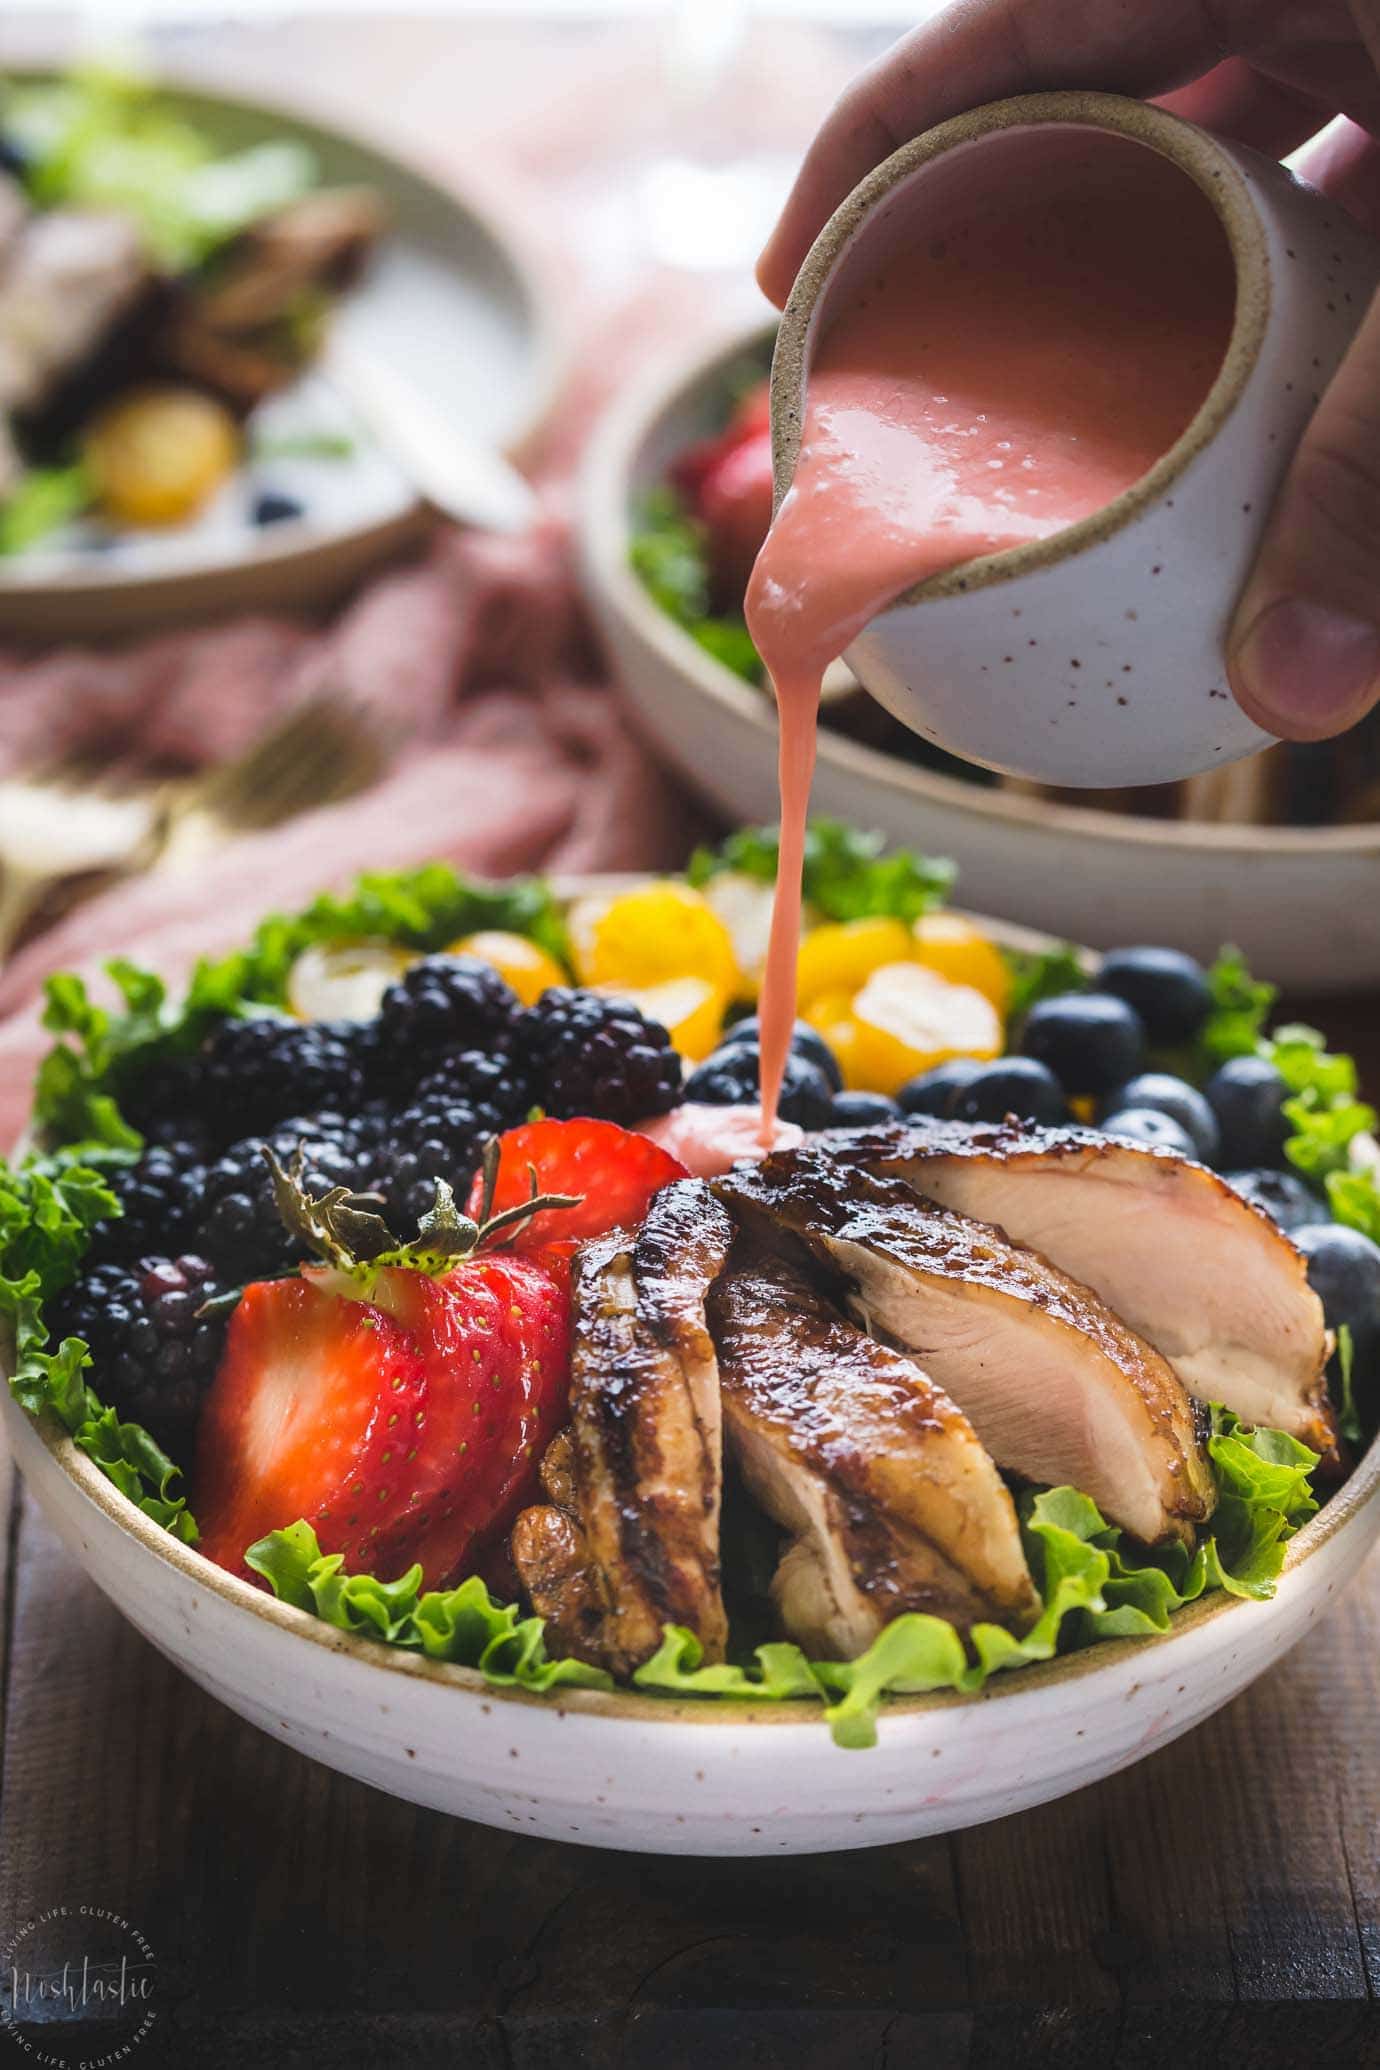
(1083, 1107)
(907, 1020)
(344, 981)
(831, 1015)
(690, 1009)
(843, 955)
(156, 455)
(960, 952)
(744, 905)
(658, 931)
(523, 964)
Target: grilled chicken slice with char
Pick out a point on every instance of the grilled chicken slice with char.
(1057, 1387)
(645, 1470)
(891, 1502)
(1200, 1273)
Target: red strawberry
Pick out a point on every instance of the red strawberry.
(692, 467)
(735, 502)
(404, 1428)
(614, 1171)
(296, 1422)
(494, 1336)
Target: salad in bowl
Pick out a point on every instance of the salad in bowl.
(418, 1283)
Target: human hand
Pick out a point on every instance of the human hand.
(1303, 651)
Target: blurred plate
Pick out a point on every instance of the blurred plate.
(447, 304)
(1299, 901)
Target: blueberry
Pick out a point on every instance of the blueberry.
(1090, 1040)
(1247, 1095)
(1344, 1273)
(1172, 1096)
(1149, 1125)
(730, 1079)
(934, 1092)
(1167, 989)
(1283, 1195)
(806, 1041)
(862, 1110)
(272, 507)
(1013, 1085)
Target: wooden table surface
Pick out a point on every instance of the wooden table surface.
(1220, 1902)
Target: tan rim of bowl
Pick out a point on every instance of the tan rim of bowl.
(631, 1705)
(1197, 154)
(609, 512)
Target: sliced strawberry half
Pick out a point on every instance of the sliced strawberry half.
(298, 1421)
(614, 1172)
(494, 1336)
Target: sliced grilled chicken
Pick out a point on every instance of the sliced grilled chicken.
(1056, 1386)
(1203, 1275)
(891, 1502)
(552, 1559)
(646, 1444)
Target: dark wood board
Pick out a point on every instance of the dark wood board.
(1219, 1902)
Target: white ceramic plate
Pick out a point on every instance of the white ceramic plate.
(671, 1777)
(1301, 902)
(448, 305)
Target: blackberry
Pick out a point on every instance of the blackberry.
(490, 1082)
(441, 1004)
(160, 1197)
(239, 1225)
(589, 1055)
(169, 1102)
(439, 1136)
(154, 1358)
(266, 1069)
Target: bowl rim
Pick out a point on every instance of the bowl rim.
(1194, 151)
(633, 1706)
(467, 196)
(677, 379)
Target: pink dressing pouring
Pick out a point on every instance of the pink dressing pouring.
(987, 388)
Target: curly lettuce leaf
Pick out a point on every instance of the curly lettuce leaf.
(1323, 1108)
(1043, 974)
(100, 139)
(1331, 1141)
(670, 553)
(47, 1210)
(848, 875)
(1240, 1007)
(1093, 1585)
(42, 501)
(461, 1624)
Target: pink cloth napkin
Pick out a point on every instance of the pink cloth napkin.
(512, 755)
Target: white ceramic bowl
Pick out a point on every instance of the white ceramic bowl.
(450, 305)
(1301, 902)
(672, 1777)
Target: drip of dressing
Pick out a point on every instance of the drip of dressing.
(982, 390)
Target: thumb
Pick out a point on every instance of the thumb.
(1303, 653)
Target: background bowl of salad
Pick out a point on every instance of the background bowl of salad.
(174, 438)
(676, 489)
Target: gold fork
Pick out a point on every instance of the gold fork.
(70, 829)
(326, 750)
(60, 824)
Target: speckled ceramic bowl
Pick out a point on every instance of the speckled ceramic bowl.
(659, 1776)
(1112, 628)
